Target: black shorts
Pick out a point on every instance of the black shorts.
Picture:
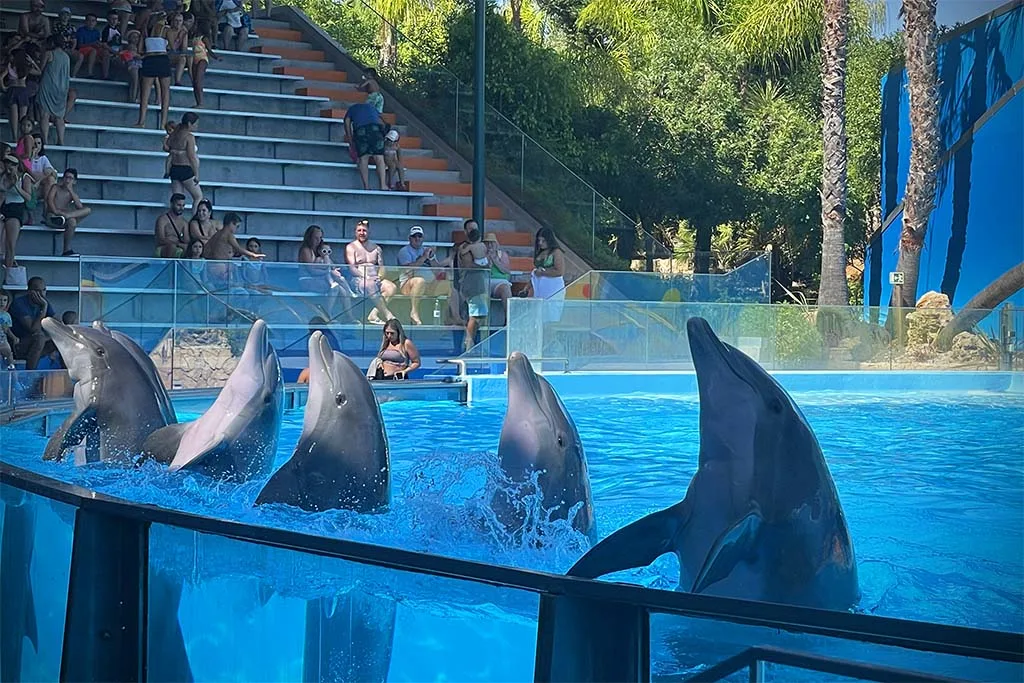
(16, 211)
(369, 140)
(182, 173)
(156, 66)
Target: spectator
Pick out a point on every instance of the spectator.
(184, 160)
(64, 210)
(233, 24)
(223, 245)
(253, 272)
(203, 226)
(156, 67)
(364, 129)
(398, 356)
(8, 340)
(366, 264)
(19, 95)
(145, 17)
(69, 318)
(171, 230)
(131, 57)
(547, 281)
(318, 324)
(177, 46)
(202, 51)
(414, 280)
(16, 185)
(62, 28)
(368, 84)
(34, 25)
(124, 13)
(205, 12)
(195, 250)
(43, 174)
(27, 313)
(394, 174)
(110, 42)
(473, 264)
(88, 38)
(54, 88)
(501, 271)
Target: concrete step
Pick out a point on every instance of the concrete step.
(213, 98)
(101, 112)
(461, 211)
(278, 34)
(442, 189)
(270, 23)
(262, 196)
(13, 9)
(260, 62)
(143, 164)
(338, 113)
(326, 75)
(289, 62)
(271, 44)
(297, 53)
(248, 81)
(348, 95)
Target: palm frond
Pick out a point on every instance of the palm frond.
(764, 31)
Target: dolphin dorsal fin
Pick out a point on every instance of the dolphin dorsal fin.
(635, 545)
(737, 544)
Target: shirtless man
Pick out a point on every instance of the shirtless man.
(64, 210)
(224, 246)
(366, 262)
(171, 230)
(34, 25)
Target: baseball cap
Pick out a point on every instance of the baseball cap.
(392, 135)
(490, 237)
(415, 230)
(65, 10)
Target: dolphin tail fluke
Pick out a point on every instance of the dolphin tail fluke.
(349, 638)
(167, 655)
(737, 544)
(635, 545)
(162, 445)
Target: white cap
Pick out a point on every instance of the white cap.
(392, 135)
(415, 230)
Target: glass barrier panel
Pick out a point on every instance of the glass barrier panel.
(126, 290)
(35, 566)
(229, 610)
(684, 646)
(30, 386)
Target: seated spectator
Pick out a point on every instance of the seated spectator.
(131, 57)
(110, 42)
(398, 356)
(64, 210)
(366, 265)
(177, 46)
(8, 340)
(171, 230)
(90, 46)
(394, 173)
(320, 276)
(55, 91)
(203, 226)
(124, 11)
(233, 24)
(34, 25)
(253, 272)
(473, 265)
(27, 313)
(501, 271)
(195, 250)
(63, 30)
(224, 246)
(69, 317)
(364, 129)
(16, 189)
(54, 361)
(414, 280)
(42, 172)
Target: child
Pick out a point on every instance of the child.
(202, 51)
(131, 56)
(393, 162)
(7, 339)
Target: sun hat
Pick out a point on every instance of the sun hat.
(491, 237)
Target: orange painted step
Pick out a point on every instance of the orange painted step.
(426, 164)
(521, 264)
(441, 189)
(347, 95)
(514, 239)
(461, 210)
(312, 74)
(291, 53)
(280, 34)
(340, 114)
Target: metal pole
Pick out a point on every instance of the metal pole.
(478, 113)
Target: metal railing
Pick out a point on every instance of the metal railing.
(587, 630)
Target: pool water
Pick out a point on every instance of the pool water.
(932, 485)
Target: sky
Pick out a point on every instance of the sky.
(948, 12)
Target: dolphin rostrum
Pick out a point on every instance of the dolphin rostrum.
(116, 406)
(761, 519)
(236, 438)
(341, 460)
(539, 436)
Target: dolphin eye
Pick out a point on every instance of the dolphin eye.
(561, 441)
(340, 399)
(100, 351)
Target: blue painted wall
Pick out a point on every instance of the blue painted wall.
(977, 229)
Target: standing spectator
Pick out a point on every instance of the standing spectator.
(547, 279)
(364, 128)
(64, 210)
(89, 48)
(131, 57)
(171, 230)
(366, 264)
(8, 340)
(184, 161)
(414, 280)
(19, 95)
(156, 67)
(398, 356)
(110, 42)
(395, 170)
(205, 12)
(34, 25)
(369, 85)
(233, 24)
(473, 264)
(177, 46)
(54, 88)
(27, 313)
(203, 226)
(501, 271)
(202, 51)
(16, 185)
(124, 13)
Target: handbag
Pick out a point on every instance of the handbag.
(16, 276)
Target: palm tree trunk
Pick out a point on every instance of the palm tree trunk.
(834, 290)
(517, 14)
(923, 85)
(1001, 289)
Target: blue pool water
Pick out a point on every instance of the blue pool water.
(932, 484)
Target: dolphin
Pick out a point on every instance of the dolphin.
(146, 363)
(761, 519)
(115, 406)
(341, 460)
(236, 438)
(538, 435)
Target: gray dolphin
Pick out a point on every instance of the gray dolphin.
(761, 519)
(341, 460)
(539, 435)
(115, 405)
(236, 438)
(146, 363)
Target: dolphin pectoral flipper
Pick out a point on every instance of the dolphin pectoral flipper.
(737, 544)
(162, 445)
(70, 433)
(635, 545)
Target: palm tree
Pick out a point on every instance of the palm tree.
(833, 290)
(921, 33)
